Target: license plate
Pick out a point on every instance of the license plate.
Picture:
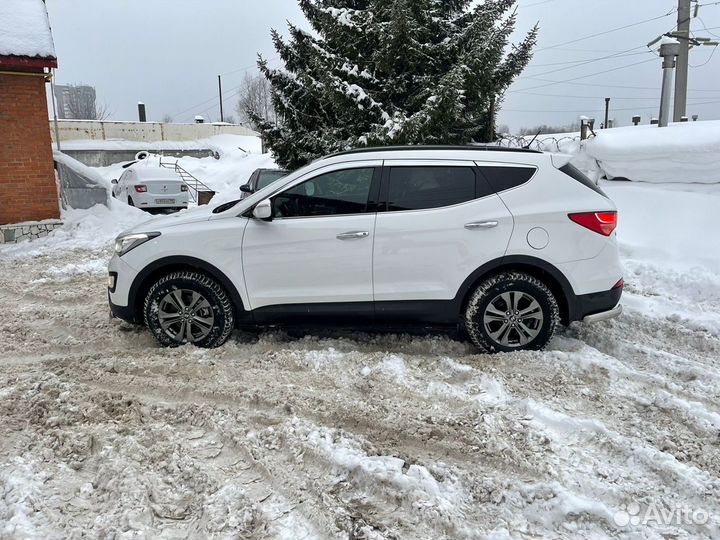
(164, 201)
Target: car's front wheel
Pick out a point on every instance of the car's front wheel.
(511, 311)
(189, 307)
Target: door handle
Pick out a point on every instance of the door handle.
(481, 225)
(353, 235)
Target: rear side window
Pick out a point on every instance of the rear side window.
(575, 173)
(503, 178)
(418, 188)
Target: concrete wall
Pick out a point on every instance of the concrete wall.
(143, 131)
(103, 158)
(28, 191)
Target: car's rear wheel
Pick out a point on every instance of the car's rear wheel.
(511, 311)
(130, 201)
(189, 307)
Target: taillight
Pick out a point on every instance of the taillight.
(600, 222)
(619, 284)
(183, 187)
(141, 189)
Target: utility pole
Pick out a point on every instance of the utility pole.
(55, 117)
(681, 75)
(222, 118)
(668, 52)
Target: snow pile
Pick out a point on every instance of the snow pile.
(217, 143)
(90, 173)
(25, 29)
(93, 229)
(683, 152)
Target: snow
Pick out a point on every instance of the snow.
(682, 152)
(352, 435)
(25, 29)
(685, 152)
(217, 143)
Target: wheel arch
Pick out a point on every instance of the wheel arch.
(155, 270)
(544, 271)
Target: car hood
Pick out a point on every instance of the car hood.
(159, 223)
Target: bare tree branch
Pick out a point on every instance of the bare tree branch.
(255, 99)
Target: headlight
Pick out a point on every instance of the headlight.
(126, 243)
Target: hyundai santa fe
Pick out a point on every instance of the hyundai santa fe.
(503, 245)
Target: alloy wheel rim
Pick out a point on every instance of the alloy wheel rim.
(186, 316)
(513, 319)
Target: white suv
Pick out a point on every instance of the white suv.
(503, 244)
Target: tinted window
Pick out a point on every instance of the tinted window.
(268, 177)
(416, 188)
(578, 175)
(502, 178)
(331, 194)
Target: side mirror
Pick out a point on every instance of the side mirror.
(263, 209)
(246, 188)
(113, 181)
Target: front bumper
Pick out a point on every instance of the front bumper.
(126, 313)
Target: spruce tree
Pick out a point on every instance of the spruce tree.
(387, 72)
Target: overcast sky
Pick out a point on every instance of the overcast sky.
(168, 53)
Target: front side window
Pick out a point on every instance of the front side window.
(417, 188)
(268, 177)
(330, 194)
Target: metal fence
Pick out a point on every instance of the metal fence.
(547, 143)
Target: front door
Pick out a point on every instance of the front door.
(314, 257)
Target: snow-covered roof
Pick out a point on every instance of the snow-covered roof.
(25, 29)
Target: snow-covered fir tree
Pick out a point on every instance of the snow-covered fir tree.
(381, 72)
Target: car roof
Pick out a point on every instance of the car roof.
(486, 153)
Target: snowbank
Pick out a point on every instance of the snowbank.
(25, 29)
(90, 173)
(684, 152)
(218, 143)
(93, 229)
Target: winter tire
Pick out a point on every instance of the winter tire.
(511, 311)
(130, 202)
(189, 307)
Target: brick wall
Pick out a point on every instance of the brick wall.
(27, 179)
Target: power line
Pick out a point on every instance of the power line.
(551, 83)
(609, 31)
(618, 54)
(598, 109)
(585, 62)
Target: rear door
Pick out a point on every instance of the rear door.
(438, 221)
(315, 256)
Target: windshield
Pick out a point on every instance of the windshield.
(268, 177)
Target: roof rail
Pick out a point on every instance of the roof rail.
(479, 147)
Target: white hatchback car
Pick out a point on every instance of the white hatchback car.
(151, 188)
(502, 244)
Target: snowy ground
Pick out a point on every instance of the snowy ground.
(105, 435)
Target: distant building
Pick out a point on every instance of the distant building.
(28, 191)
(71, 98)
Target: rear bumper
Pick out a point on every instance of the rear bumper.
(605, 315)
(597, 307)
